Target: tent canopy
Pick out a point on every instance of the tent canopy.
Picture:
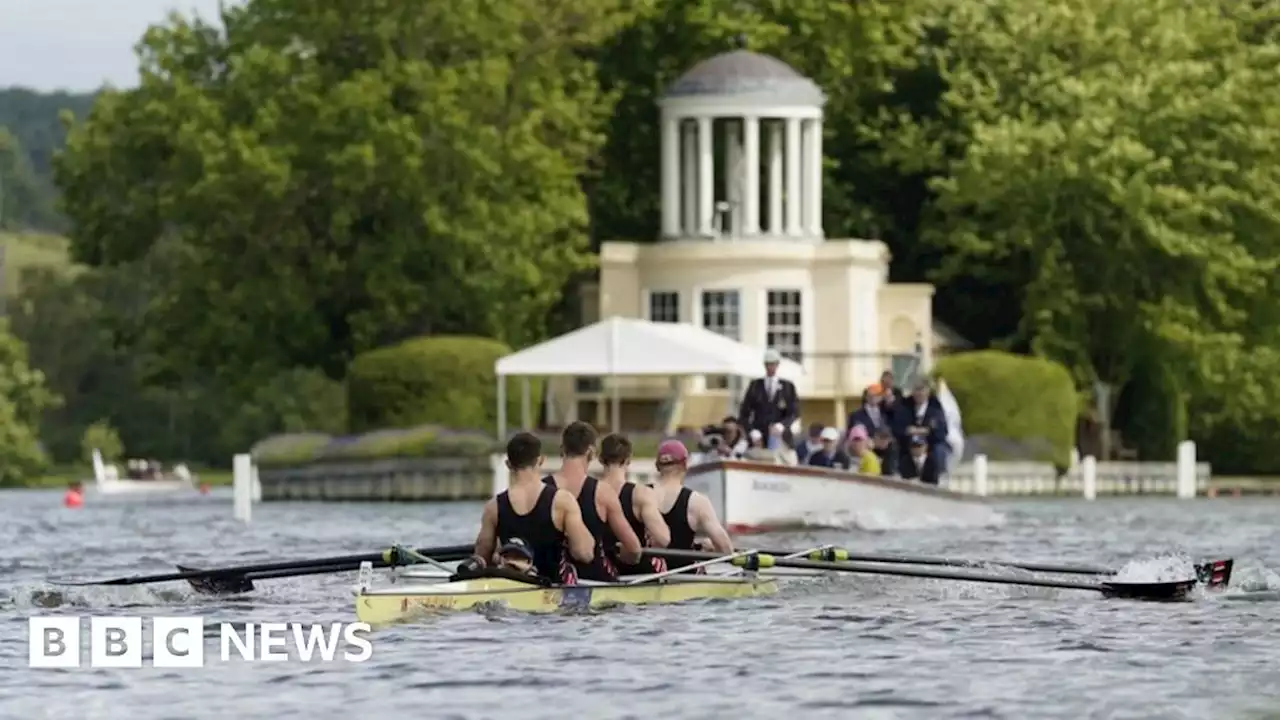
(625, 346)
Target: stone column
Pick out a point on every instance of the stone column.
(813, 193)
(793, 176)
(670, 177)
(690, 182)
(732, 179)
(706, 176)
(775, 178)
(751, 178)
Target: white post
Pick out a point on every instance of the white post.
(980, 475)
(526, 405)
(1186, 469)
(99, 467)
(813, 191)
(1089, 477)
(706, 176)
(242, 484)
(775, 178)
(670, 177)
(793, 176)
(751, 183)
(501, 476)
(690, 182)
(257, 485)
(502, 408)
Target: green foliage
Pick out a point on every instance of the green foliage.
(1152, 412)
(23, 398)
(31, 132)
(425, 441)
(1016, 398)
(102, 437)
(330, 181)
(444, 379)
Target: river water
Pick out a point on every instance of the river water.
(850, 647)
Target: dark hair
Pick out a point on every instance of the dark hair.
(578, 439)
(615, 449)
(523, 451)
(729, 419)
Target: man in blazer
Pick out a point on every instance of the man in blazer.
(769, 399)
(921, 464)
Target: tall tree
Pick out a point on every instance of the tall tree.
(1121, 161)
(322, 178)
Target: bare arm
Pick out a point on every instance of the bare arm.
(705, 522)
(630, 552)
(568, 519)
(487, 540)
(651, 515)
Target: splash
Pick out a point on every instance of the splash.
(1172, 567)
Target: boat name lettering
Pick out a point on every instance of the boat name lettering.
(780, 486)
(434, 602)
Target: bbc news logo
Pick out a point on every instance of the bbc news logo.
(177, 642)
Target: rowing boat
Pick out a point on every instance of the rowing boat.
(388, 605)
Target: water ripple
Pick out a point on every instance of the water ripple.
(839, 647)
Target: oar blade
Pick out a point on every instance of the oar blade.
(1156, 592)
(222, 584)
(1215, 575)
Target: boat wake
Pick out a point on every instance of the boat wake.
(880, 521)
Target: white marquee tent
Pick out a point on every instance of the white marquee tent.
(620, 347)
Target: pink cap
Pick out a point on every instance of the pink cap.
(671, 452)
(858, 433)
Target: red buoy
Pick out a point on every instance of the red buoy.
(204, 488)
(73, 498)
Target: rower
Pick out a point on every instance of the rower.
(639, 506)
(547, 520)
(686, 512)
(601, 511)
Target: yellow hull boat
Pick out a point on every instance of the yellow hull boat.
(385, 606)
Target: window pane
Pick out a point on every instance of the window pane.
(783, 323)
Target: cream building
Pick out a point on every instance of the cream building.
(743, 253)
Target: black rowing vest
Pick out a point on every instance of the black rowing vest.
(601, 567)
(682, 534)
(538, 530)
(646, 565)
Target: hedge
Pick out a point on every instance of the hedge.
(444, 380)
(1016, 400)
(418, 442)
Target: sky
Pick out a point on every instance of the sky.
(78, 45)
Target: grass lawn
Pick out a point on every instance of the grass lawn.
(63, 476)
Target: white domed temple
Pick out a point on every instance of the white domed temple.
(742, 253)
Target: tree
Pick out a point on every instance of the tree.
(24, 203)
(23, 397)
(319, 182)
(31, 132)
(1121, 163)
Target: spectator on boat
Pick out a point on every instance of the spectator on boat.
(864, 459)
(734, 438)
(885, 449)
(769, 399)
(830, 455)
(920, 416)
(775, 448)
(811, 444)
(921, 464)
(871, 415)
(889, 394)
(755, 440)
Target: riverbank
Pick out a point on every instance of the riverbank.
(61, 477)
(1236, 485)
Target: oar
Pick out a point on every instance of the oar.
(1139, 591)
(239, 578)
(1204, 571)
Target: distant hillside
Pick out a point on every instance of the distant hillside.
(30, 250)
(31, 119)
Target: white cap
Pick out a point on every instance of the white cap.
(776, 428)
(830, 434)
(755, 435)
(772, 356)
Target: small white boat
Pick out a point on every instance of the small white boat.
(753, 497)
(107, 481)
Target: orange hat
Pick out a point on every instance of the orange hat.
(875, 389)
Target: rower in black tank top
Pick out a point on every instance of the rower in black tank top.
(600, 568)
(682, 534)
(538, 530)
(646, 565)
